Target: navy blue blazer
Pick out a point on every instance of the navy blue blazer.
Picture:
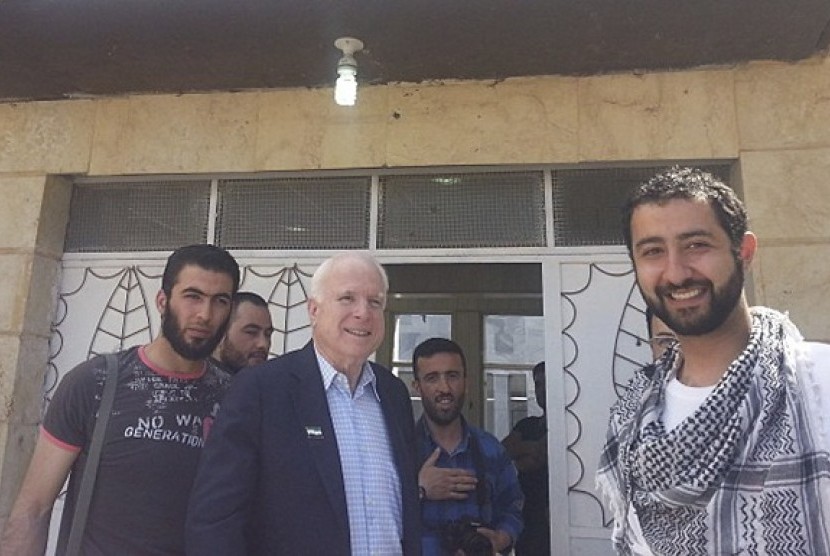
(265, 485)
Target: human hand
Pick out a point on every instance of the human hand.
(442, 483)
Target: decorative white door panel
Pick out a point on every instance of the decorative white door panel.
(103, 308)
(603, 341)
(594, 331)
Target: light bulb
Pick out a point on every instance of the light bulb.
(345, 89)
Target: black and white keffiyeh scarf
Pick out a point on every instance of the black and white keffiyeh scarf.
(744, 474)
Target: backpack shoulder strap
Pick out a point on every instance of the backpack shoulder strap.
(73, 546)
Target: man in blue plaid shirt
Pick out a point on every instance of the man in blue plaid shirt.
(466, 474)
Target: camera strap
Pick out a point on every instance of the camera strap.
(482, 490)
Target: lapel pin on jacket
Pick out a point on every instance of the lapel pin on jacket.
(313, 432)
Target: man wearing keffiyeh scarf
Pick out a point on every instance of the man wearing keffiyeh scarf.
(747, 469)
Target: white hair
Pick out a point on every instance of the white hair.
(323, 270)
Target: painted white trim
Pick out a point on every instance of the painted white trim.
(374, 203)
(410, 256)
(550, 237)
(213, 209)
(556, 398)
(398, 171)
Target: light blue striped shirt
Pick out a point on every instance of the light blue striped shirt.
(373, 488)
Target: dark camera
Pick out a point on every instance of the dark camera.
(460, 537)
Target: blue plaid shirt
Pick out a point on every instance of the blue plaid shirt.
(370, 477)
(502, 504)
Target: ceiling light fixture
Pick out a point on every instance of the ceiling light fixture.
(345, 90)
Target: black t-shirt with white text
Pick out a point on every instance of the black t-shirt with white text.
(151, 449)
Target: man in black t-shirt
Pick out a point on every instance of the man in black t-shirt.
(527, 444)
(166, 397)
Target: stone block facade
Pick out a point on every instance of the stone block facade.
(773, 118)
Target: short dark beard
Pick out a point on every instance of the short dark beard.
(233, 360)
(171, 330)
(722, 304)
(439, 418)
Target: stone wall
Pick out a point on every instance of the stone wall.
(774, 118)
(33, 216)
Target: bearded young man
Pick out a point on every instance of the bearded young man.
(466, 474)
(725, 447)
(248, 338)
(166, 397)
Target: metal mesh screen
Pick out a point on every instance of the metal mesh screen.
(587, 204)
(294, 213)
(462, 210)
(137, 216)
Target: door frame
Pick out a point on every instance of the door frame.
(467, 329)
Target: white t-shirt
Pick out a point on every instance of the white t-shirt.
(812, 372)
(681, 402)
